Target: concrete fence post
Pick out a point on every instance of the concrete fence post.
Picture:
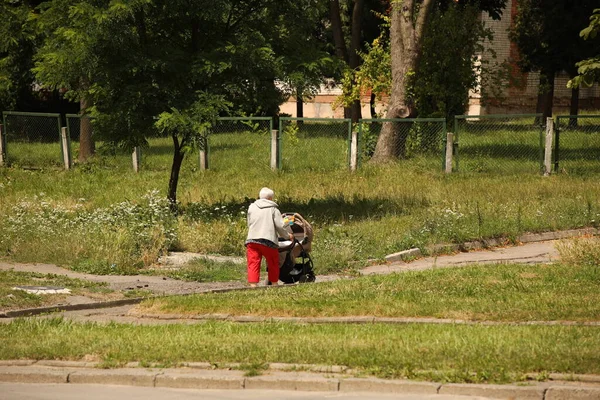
(449, 149)
(548, 146)
(354, 151)
(136, 158)
(2, 147)
(274, 149)
(203, 154)
(66, 147)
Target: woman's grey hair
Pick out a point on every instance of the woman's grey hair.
(266, 193)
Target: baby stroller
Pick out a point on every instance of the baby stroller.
(290, 252)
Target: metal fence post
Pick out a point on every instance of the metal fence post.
(203, 153)
(548, 146)
(275, 149)
(557, 144)
(66, 147)
(136, 157)
(2, 147)
(449, 150)
(354, 151)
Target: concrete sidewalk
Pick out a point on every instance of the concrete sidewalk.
(278, 377)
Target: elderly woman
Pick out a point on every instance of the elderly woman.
(265, 226)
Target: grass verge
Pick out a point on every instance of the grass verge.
(203, 270)
(452, 353)
(482, 292)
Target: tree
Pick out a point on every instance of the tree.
(301, 45)
(17, 45)
(406, 33)
(407, 30)
(448, 69)
(547, 35)
(588, 70)
(67, 58)
(171, 66)
(353, 24)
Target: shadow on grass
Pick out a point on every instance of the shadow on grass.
(329, 209)
(510, 151)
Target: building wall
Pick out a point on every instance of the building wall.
(521, 95)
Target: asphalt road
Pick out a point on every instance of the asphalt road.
(21, 391)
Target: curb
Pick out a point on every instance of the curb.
(192, 378)
(27, 312)
(70, 307)
(502, 241)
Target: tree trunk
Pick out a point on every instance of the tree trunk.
(372, 106)
(175, 169)
(299, 107)
(545, 100)
(299, 104)
(338, 39)
(353, 57)
(574, 109)
(86, 142)
(405, 43)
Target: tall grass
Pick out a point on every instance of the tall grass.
(357, 216)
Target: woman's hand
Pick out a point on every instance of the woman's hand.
(292, 237)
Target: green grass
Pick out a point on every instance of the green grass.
(356, 216)
(19, 299)
(37, 155)
(202, 270)
(444, 353)
(495, 293)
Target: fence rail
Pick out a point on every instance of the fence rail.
(32, 139)
(418, 138)
(314, 144)
(501, 144)
(577, 144)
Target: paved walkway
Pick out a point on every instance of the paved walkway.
(528, 253)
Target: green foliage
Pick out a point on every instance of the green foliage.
(588, 70)
(17, 44)
(448, 67)
(375, 72)
(547, 34)
(192, 125)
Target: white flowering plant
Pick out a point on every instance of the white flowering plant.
(115, 239)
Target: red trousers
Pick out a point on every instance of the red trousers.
(254, 254)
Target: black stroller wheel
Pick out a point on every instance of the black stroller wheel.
(307, 278)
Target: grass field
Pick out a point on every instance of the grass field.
(102, 217)
(509, 293)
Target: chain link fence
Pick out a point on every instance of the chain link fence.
(240, 144)
(577, 144)
(418, 141)
(507, 144)
(314, 144)
(32, 140)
